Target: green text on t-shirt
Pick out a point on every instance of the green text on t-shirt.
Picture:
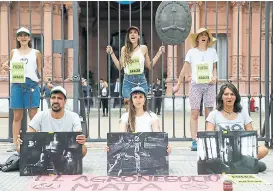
(18, 72)
(134, 67)
(202, 73)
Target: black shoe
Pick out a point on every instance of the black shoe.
(158, 113)
(106, 115)
(103, 115)
(262, 166)
(201, 114)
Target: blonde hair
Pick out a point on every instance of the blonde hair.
(105, 84)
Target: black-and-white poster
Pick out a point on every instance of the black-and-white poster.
(137, 154)
(233, 152)
(44, 153)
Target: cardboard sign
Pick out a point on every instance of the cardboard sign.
(17, 72)
(246, 179)
(203, 74)
(126, 183)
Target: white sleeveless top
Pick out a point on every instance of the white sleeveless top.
(30, 63)
(138, 63)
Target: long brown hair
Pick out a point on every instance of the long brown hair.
(237, 104)
(129, 49)
(132, 115)
(18, 45)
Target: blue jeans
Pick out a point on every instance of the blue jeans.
(25, 95)
(131, 81)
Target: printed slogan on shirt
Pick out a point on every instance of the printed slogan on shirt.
(203, 75)
(134, 67)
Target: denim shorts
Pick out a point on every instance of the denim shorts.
(25, 95)
(131, 81)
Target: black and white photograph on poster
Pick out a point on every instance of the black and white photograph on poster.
(56, 153)
(231, 152)
(137, 154)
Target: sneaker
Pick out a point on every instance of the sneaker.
(194, 146)
(262, 166)
(12, 148)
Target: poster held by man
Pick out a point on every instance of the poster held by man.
(45, 153)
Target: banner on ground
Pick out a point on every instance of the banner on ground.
(130, 183)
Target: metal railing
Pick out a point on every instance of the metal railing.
(100, 17)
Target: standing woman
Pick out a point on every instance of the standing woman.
(24, 95)
(200, 64)
(134, 58)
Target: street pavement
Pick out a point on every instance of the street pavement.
(182, 162)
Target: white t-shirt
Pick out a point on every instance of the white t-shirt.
(194, 56)
(221, 123)
(143, 123)
(44, 122)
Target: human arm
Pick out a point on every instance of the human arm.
(20, 141)
(247, 121)
(210, 126)
(214, 72)
(148, 63)
(184, 72)
(248, 127)
(77, 127)
(39, 62)
(81, 139)
(122, 125)
(156, 128)
(123, 122)
(5, 66)
(211, 122)
(118, 64)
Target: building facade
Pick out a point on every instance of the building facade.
(238, 39)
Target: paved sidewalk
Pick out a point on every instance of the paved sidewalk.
(182, 163)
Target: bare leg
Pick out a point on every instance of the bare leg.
(16, 126)
(194, 123)
(32, 112)
(207, 111)
(262, 152)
